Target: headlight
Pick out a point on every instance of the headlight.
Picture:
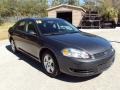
(70, 52)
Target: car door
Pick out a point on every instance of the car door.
(19, 34)
(32, 39)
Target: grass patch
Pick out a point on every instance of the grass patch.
(4, 30)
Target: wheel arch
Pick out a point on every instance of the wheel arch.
(44, 50)
(55, 60)
(49, 50)
(10, 39)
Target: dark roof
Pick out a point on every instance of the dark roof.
(34, 19)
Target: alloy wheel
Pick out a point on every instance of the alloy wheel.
(13, 46)
(49, 63)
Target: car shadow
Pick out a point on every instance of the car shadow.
(38, 66)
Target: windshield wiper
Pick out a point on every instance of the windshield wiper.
(60, 33)
(72, 32)
(54, 33)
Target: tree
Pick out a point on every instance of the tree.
(70, 2)
(92, 4)
(105, 7)
(108, 10)
(113, 14)
(56, 2)
(11, 8)
(74, 2)
(1, 20)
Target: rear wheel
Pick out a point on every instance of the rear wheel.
(13, 47)
(50, 65)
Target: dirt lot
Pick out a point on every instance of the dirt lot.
(18, 72)
(4, 30)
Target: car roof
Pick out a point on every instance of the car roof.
(43, 19)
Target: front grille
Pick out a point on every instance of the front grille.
(103, 54)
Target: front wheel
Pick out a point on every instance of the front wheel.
(13, 47)
(50, 64)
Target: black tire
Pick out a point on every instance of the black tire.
(56, 71)
(13, 46)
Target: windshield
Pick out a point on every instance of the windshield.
(56, 27)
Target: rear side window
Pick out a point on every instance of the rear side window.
(21, 26)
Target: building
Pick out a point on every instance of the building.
(73, 14)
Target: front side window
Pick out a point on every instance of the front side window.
(21, 26)
(56, 27)
(30, 28)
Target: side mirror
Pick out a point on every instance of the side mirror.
(78, 27)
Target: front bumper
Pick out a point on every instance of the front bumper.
(83, 68)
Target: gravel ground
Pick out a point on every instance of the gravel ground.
(19, 72)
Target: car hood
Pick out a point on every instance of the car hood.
(89, 42)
